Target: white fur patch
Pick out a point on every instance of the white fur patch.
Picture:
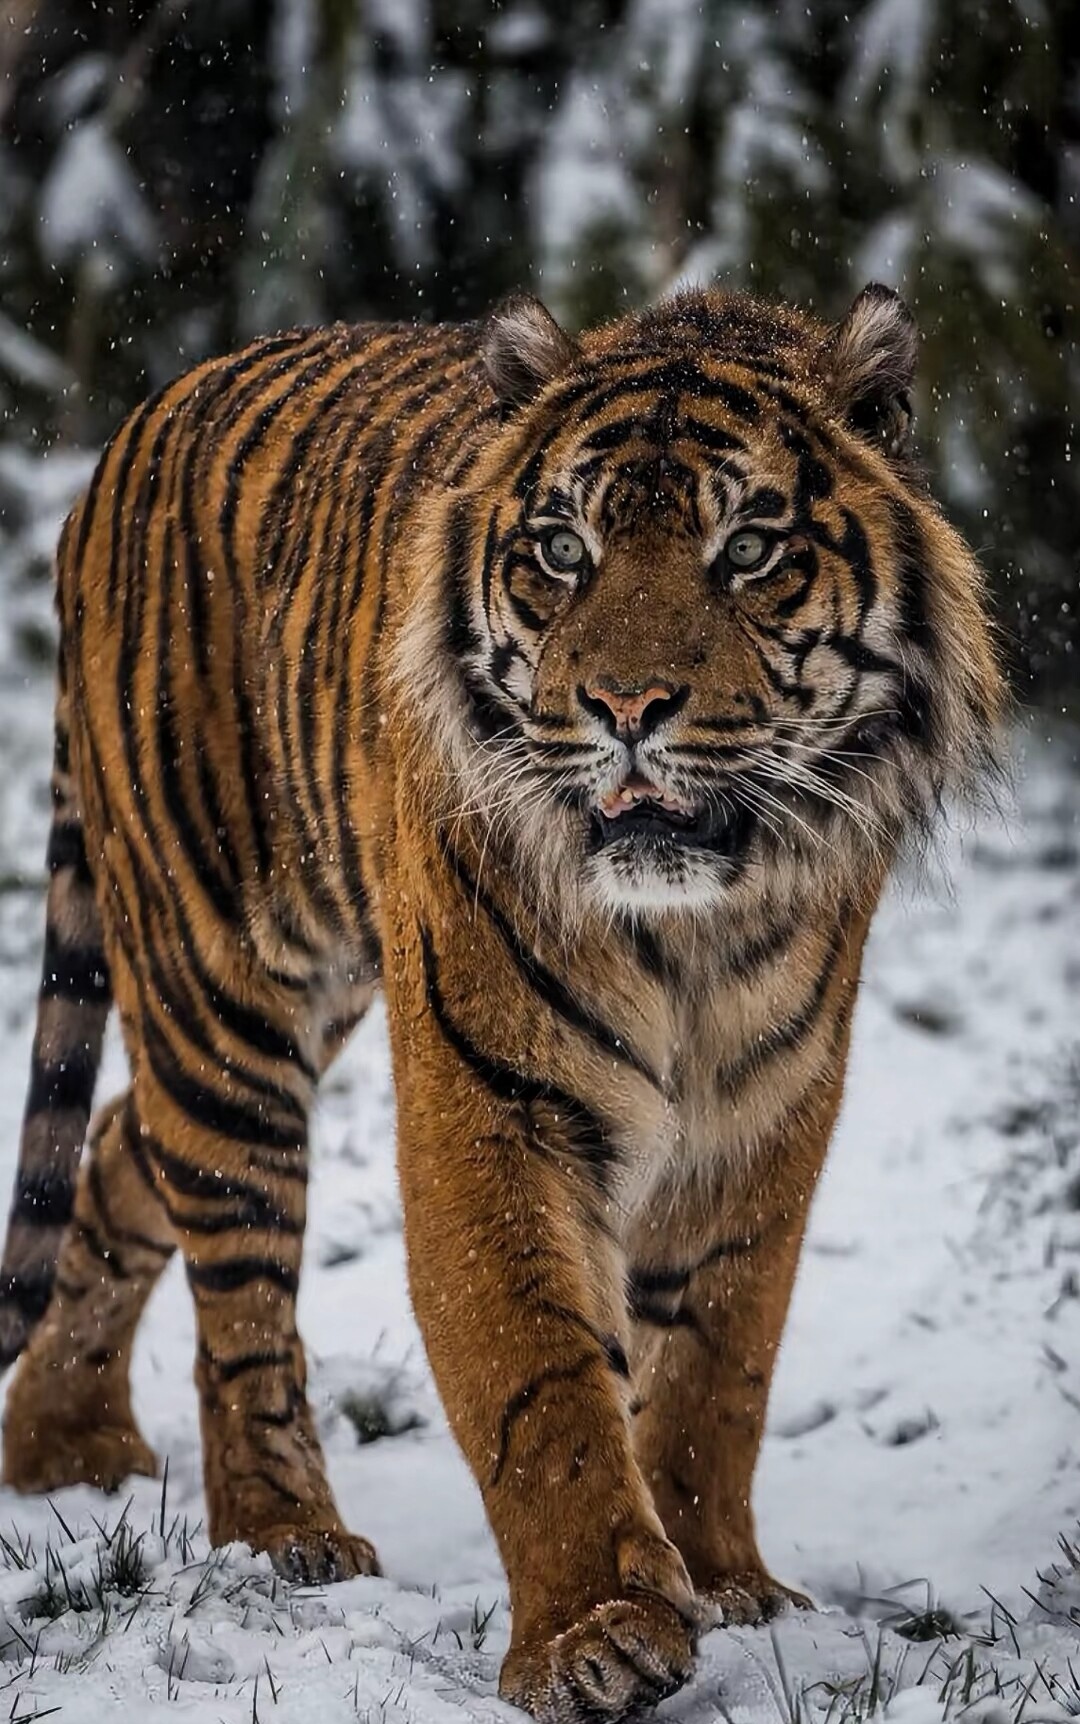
(523, 349)
(874, 351)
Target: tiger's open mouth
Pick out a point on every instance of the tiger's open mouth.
(640, 811)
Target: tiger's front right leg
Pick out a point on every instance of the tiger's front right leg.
(518, 1289)
(228, 1156)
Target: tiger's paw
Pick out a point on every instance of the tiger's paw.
(746, 1597)
(623, 1656)
(39, 1460)
(317, 1556)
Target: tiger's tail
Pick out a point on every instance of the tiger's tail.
(73, 1005)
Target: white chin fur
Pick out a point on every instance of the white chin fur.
(692, 883)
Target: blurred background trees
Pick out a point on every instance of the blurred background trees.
(177, 175)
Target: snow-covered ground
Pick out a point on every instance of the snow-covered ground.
(924, 1434)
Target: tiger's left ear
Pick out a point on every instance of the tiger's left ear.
(523, 348)
(870, 362)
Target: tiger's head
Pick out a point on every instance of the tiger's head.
(696, 626)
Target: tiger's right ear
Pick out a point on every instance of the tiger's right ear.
(523, 348)
(870, 363)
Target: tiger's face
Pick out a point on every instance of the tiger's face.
(712, 633)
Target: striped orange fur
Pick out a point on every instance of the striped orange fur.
(581, 693)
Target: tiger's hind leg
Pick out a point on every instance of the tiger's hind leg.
(227, 1144)
(68, 1418)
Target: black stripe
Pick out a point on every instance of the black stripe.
(555, 993)
(431, 367)
(61, 738)
(248, 1206)
(208, 1109)
(43, 1199)
(916, 712)
(859, 656)
(280, 1420)
(323, 582)
(614, 434)
(292, 1167)
(650, 954)
(64, 1085)
(525, 1396)
(89, 507)
(181, 1004)
(615, 1354)
(221, 891)
(78, 974)
(596, 390)
(67, 849)
(854, 547)
(247, 1024)
(461, 636)
(645, 1285)
(228, 1370)
(644, 1309)
(649, 1281)
(249, 1217)
(747, 959)
(489, 715)
(120, 508)
(216, 818)
(523, 611)
(492, 548)
(719, 441)
(784, 1037)
(378, 460)
(250, 748)
(252, 1027)
(913, 577)
(279, 1490)
(122, 1235)
(29, 1290)
(586, 1133)
(813, 479)
(238, 1272)
(803, 697)
(764, 504)
(99, 1250)
(133, 1145)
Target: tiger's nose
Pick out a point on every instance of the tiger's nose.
(632, 713)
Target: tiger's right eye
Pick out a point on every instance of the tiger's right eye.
(563, 549)
(747, 550)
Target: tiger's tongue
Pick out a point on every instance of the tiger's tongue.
(635, 789)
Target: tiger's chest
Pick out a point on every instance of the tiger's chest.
(731, 1061)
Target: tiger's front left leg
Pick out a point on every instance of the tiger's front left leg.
(518, 1290)
(229, 1158)
(709, 1293)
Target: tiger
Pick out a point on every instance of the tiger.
(581, 691)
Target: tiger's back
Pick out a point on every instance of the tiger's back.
(584, 694)
(227, 568)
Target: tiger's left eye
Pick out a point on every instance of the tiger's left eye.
(563, 549)
(747, 550)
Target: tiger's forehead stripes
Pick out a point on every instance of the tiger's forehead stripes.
(578, 454)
